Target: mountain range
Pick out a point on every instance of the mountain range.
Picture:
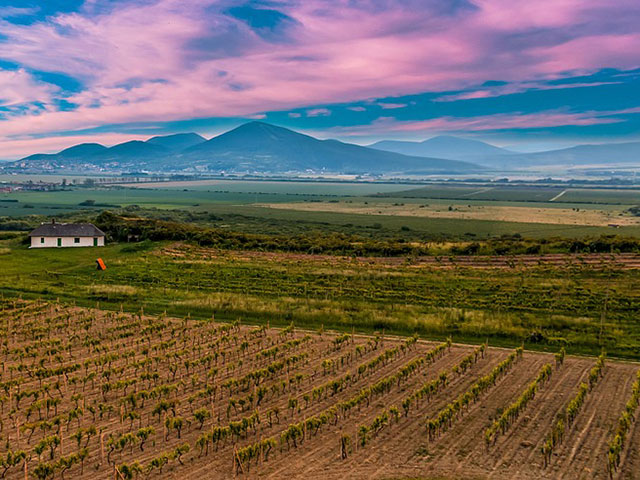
(444, 146)
(255, 147)
(608, 154)
(262, 148)
(490, 156)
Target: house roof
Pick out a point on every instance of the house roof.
(67, 230)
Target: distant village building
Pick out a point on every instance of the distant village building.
(55, 235)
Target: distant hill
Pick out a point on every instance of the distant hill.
(77, 151)
(84, 149)
(607, 154)
(177, 142)
(133, 149)
(259, 146)
(443, 146)
(255, 147)
(494, 157)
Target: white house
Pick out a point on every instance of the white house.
(67, 235)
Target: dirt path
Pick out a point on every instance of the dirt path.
(558, 196)
(583, 451)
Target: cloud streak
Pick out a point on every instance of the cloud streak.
(485, 123)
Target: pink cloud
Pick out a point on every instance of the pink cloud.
(514, 88)
(19, 87)
(16, 148)
(172, 60)
(385, 125)
(391, 106)
(318, 112)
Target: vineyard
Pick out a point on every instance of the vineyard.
(87, 393)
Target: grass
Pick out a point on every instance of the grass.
(518, 193)
(543, 306)
(425, 227)
(235, 205)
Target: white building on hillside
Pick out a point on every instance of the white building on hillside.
(67, 235)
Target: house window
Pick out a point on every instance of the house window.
(41, 239)
(76, 240)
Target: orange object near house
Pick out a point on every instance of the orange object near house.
(101, 265)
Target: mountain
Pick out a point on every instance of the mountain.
(77, 151)
(490, 156)
(133, 149)
(607, 154)
(261, 147)
(93, 156)
(255, 147)
(443, 146)
(177, 142)
(83, 149)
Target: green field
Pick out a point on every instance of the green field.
(283, 187)
(542, 306)
(515, 193)
(238, 205)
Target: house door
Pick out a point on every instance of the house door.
(95, 242)
(59, 242)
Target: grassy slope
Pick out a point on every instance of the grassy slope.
(470, 304)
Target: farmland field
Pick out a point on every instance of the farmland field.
(277, 329)
(522, 193)
(482, 212)
(545, 301)
(393, 209)
(103, 393)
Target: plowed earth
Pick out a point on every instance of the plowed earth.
(58, 360)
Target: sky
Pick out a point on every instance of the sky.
(529, 75)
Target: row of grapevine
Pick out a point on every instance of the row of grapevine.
(445, 418)
(567, 416)
(270, 392)
(627, 417)
(295, 434)
(432, 387)
(366, 432)
(118, 355)
(336, 385)
(513, 411)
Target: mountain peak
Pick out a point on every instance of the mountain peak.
(83, 149)
(177, 141)
(263, 147)
(257, 126)
(259, 134)
(253, 147)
